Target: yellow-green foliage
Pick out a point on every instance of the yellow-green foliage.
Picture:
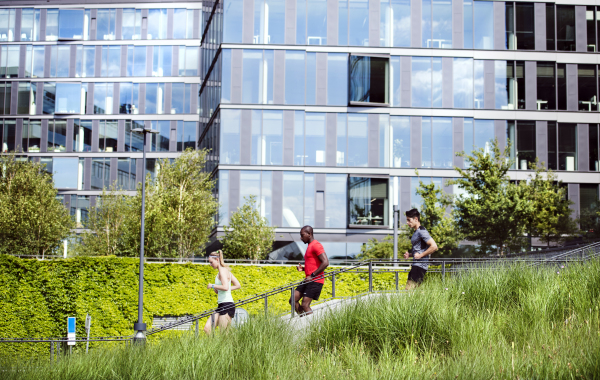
(36, 297)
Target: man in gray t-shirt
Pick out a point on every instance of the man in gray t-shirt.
(423, 245)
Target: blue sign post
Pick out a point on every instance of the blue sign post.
(71, 331)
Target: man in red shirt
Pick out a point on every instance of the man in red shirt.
(315, 262)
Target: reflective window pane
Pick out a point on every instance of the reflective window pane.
(298, 138)
(294, 77)
(105, 24)
(293, 199)
(421, 82)
(369, 79)
(546, 86)
(484, 24)
(441, 24)
(316, 22)
(309, 199)
(179, 23)
(550, 20)
(223, 194)
(335, 201)
(70, 24)
(358, 19)
(82, 136)
(462, 72)
(269, 18)
(157, 24)
(358, 143)
(441, 142)
(400, 136)
(68, 98)
(586, 87)
(230, 137)
(341, 140)
(51, 25)
(368, 201)
(565, 27)
(226, 76)
(272, 137)
(593, 148)
(139, 61)
(62, 172)
(132, 24)
(232, 21)
(525, 22)
(162, 61)
(337, 79)
(567, 147)
(525, 146)
(315, 139)
(468, 24)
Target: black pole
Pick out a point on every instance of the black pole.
(140, 326)
(333, 285)
(370, 276)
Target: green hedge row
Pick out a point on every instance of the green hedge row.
(36, 297)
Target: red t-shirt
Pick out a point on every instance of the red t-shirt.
(311, 261)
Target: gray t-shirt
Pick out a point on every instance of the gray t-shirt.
(419, 242)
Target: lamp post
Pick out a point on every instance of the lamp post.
(140, 326)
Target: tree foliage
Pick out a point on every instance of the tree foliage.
(248, 235)
(493, 211)
(384, 248)
(32, 220)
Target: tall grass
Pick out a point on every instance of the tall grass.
(504, 322)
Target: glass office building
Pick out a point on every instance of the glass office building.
(323, 109)
(76, 78)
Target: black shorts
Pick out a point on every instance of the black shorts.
(311, 290)
(416, 274)
(230, 309)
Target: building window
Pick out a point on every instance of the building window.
(384, 141)
(9, 61)
(421, 82)
(369, 79)
(257, 81)
(161, 140)
(186, 135)
(315, 138)
(523, 143)
(354, 21)
(132, 24)
(37, 61)
(550, 29)
(100, 173)
(311, 22)
(510, 85)
(309, 199)
(30, 24)
(394, 28)
(82, 136)
(103, 98)
(341, 140)
(108, 135)
(468, 24)
(230, 137)
(24, 99)
(358, 141)
(478, 84)
(106, 21)
(155, 98)
(57, 135)
(294, 77)
(269, 21)
(523, 36)
(258, 184)
(5, 90)
(272, 132)
(32, 135)
(111, 61)
(126, 171)
(70, 25)
(162, 61)
(337, 79)
(8, 135)
(483, 21)
(546, 86)
(590, 16)
(477, 134)
(85, 63)
(62, 173)
(80, 205)
(134, 142)
(335, 200)
(400, 137)
(157, 24)
(593, 148)
(68, 98)
(436, 24)
(567, 147)
(223, 197)
(586, 87)
(368, 201)
(293, 199)
(136, 61)
(565, 27)
(552, 146)
(298, 139)
(588, 205)
(436, 141)
(462, 73)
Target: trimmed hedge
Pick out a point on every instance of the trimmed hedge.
(36, 297)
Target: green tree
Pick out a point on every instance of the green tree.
(32, 220)
(384, 248)
(493, 211)
(107, 225)
(180, 208)
(550, 218)
(248, 235)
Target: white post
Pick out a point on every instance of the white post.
(65, 250)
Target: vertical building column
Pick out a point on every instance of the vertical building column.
(500, 133)
(573, 195)
(18, 13)
(248, 22)
(95, 134)
(87, 173)
(404, 197)
(572, 91)
(276, 216)
(90, 99)
(119, 24)
(170, 13)
(39, 98)
(69, 142)
(458, 126)
(415, 141)
(332, 22)
(168, 102)
(116, 98)
(290, 22)
(114, 162)
(19, 146)
(279, 77)
(373, 140)
(457, 24)
(121, 136)
(246, 137)
(73, 62)
(489, 84)
(447, 91)
(236, 76)
(331, 140)
(44, 139)
(541, 141)
(580, 28)
(499, 25)
(539, 10)
(374, 21)
(531, 85)
(321, 79)
(98, 61)
(22, 57)
(583, 147)
(405, 81)
(415, 23)
(43, 13)
(173, 136)
(288, 138)
(142, 98)
(320, 185)
(47, 60)
(144, 31)
(93, 22)
(14, 97)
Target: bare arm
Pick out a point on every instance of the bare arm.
(324, 264)
(432, 248)
(224, 277)
(235, 284)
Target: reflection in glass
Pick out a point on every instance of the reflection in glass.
(400, 136)
(157, 24)
(309, 199)
(311, 78)
(421, 82)
(468, 24)
(294, 77)
(525, 145)
(177, 97)
(252, 80)
(368, 201)
(9, 61)
(125, 170)
(369, 79)
(293, 199)
(34, 136)
(358, 20)
(269, 18)
(226, 76)
(436, 79)
(230, 136)
(335, 200)
(483, 135)
(341, 141)
(315, 139)
(316, 22)
(23, 98)
(232, 21)
(298, 138)
(37, 62)
(462, 72)
(162, 61)
(105, 24)
(590, 17)
(426, 38)
(505, 85)
(520, 83)
(510, 38)
(265, 204)
(70, 25)
(358, 143)
(384, 141)
(223, 195)
(525, 33)
(440, 146)
(441, 24)
(395, 23)
(51, 25)
(49, 97)
(155, 98)
(179, 23)
(107, 136)
(27, 24)
(103, 98)
(593, 148)
(100, 173)
(337, 79)
(82, 136)
(134, 142)
(125, 100)
(484, 24)
(272, 143)
(567, 147)
(132, 24)
(62, 172)
(139, 61)
(256, 157)
(162, 138)
(395, 74)
(565, 27)
(552, 146)
(68, 98)
(546, 86)
(586, 87)
(249, 185)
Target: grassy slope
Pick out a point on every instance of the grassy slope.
(507, 323)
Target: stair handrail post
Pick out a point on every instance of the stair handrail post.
(370, 276)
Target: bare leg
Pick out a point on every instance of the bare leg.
(210, 323)
(410, 285)
(224, 321)
(306, 305)
(297, 305)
